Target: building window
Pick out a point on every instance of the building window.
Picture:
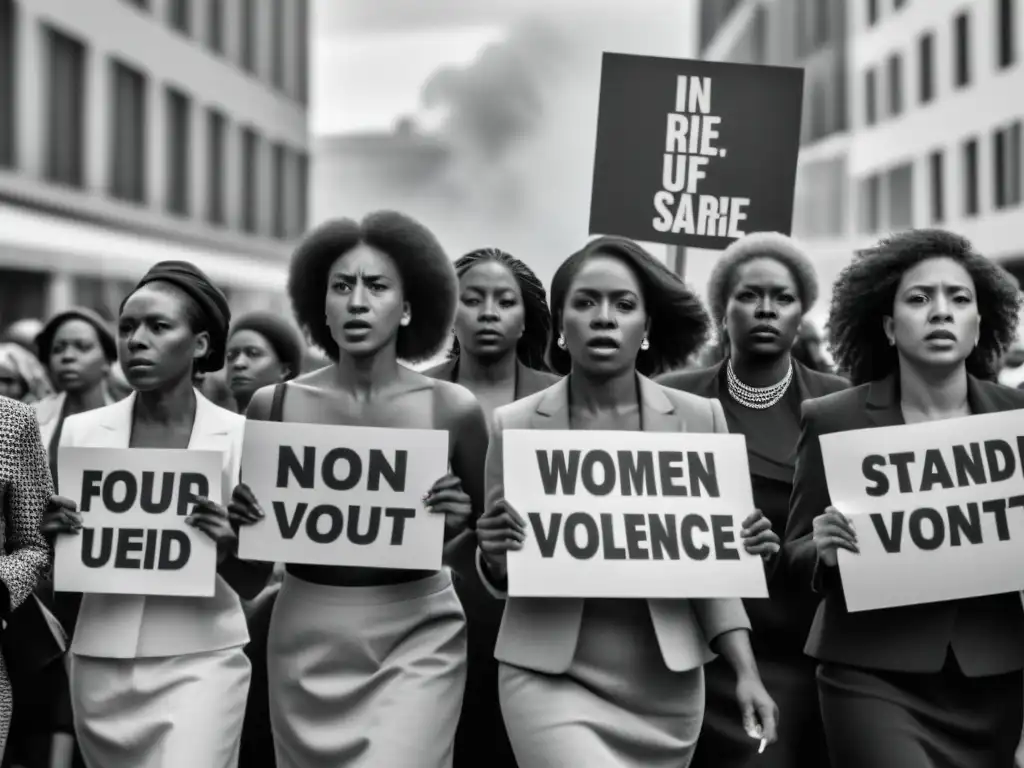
(1006, 166)
(65, 110)
(897, 4)
(277, 31)
(937, 186)
(822, 21)
(1006, 25)
(926, 67)
(872, 8)
(250, 180)
(248, 29)
(215, 25)
(8, 78)
(901, 196)
(302, 173)
(895, 84)
(870, 97)
(871, 204)
(819, 112)
(180, 15)
(962, 50)
(179, 154)
(216, 161)
(302, 49)
(278, 180)
(128, 134)
(970, 154)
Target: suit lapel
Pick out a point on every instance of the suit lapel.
(210, 429)
(115, 428)
(552, 411)
(882, 406)
(659, 415)
(657, 411)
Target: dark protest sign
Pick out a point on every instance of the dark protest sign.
(694, 153)
(134, 540)
(639, 514)
(938, 509)
(343, 495)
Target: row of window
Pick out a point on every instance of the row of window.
(129, 134)
(184, 17)
(1005, 56)
(893, 190)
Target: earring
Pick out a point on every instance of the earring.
(645, 344)
(561, 341)
(404, 320)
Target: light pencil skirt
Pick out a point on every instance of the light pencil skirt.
(366, 677)
(173, 712)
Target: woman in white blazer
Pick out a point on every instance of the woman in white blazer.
(161, 682)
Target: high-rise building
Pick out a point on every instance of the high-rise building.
(912, 116)
(133, 131)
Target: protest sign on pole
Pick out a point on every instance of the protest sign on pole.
(345, 496)
(134, 539)
(938, 509)
(695, 153)
(630, 514)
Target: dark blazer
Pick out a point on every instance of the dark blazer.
(460, 551)
(789, 602)
(528, 380)
(986, 633)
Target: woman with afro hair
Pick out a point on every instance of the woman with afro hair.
(501, 332)
(602, 682)
(760, 290)
(919, 321)
(367, 666)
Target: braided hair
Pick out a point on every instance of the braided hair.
(537, 315)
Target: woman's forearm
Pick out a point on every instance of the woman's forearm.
(735, 647)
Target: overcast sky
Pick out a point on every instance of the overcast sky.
(371, 57)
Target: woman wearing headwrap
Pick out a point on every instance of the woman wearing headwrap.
(759, 291)
(160, 681)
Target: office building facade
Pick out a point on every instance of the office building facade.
(133, 131)
(925, 129)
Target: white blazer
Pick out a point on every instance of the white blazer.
(48, 411)
(130, 626)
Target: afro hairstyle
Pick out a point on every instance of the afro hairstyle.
(429, 283)
(865, 292)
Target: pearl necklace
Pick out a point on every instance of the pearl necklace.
(757, 398)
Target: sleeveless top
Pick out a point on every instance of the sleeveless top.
(307, 572)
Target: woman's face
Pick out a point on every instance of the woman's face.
(604, 319)
(491, 317)
(365, 302)
(763, 310)
(156, 344)
(77, 361)
(11, 383)
(251, 364)
(935, 322)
